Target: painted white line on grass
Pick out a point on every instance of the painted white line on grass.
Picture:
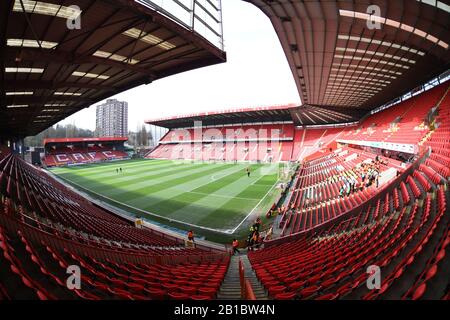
(223, 231)
(221, 175)
(222, 196)
(257, 205)
(144, 211)
(207, 182)
(170, 176)
(109, 170)
(181, 188)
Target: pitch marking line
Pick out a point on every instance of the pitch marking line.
(224, 231)
(254, 208)
(223, 196)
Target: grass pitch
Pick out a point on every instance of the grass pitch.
(210, 196)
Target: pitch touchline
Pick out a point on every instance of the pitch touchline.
(214, 180)
(150, 178)
(103, 170)
(222, 196)
(227, 231)
(257, 205)
(143, 211)
(208, 182)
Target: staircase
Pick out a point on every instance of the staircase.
(437, 109)
(258, 289)
(231, 287)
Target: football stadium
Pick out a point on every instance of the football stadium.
(344, 196)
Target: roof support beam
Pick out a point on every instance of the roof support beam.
(50, 85)
(49, 55)
(31, 100)
(5, 9)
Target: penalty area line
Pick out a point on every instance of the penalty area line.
(71, 184)
(257, 205)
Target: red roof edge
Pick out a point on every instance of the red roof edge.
(224, 111)
(78, 140)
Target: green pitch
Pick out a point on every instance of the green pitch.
(211, 196)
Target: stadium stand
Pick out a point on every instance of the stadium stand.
(73, 151)
(402, 123)
(50, 225)
(371, 144)
(266, 143)
(318, 188)
(402, 228)
(327, 241)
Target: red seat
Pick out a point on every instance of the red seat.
(210, 292)
(156, 294)
(431, 272)
(200, 297)
(178, 296)
(329, 296)
(419, 292)
(276, 289)
(188, 290)
(308, 292)
(285, 296)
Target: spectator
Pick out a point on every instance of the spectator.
(258, 240)
(257, 224)
(191, 236)
(377, 176)
(354, 181)
(235, 246)
(269, 233)
(341, 191)
(250, 240)
(255, 238)
(307, 201)
(347, 188)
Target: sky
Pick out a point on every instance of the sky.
(256, 74)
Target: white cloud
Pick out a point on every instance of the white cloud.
(256, 74)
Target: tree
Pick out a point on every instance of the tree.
(58, 131)
(144, 136)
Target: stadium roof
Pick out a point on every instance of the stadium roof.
(49, 71)
(303, 115)
(86, 140)
(340, 55)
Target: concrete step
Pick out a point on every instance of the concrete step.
(231, 286)
(258, 289)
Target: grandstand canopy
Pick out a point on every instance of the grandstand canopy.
(341, 55)
(301, 116)
(83, 140)
(51, 69)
